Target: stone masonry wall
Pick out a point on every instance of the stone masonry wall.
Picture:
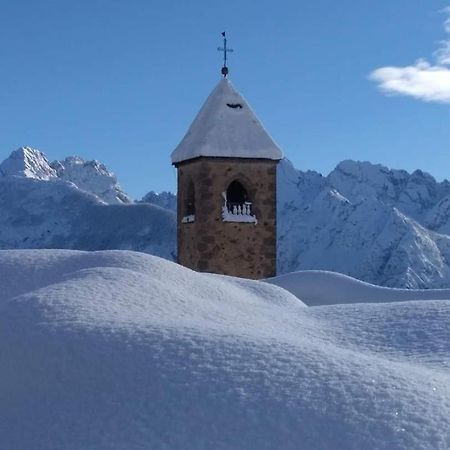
(211, 245)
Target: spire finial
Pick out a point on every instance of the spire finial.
(225, 50)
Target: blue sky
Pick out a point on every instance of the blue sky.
(120, 81)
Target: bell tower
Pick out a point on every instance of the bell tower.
(226, 166)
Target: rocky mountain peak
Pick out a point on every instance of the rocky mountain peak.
(27, 162)
(164, 199)
(91, 176)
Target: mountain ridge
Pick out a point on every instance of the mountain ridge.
(380, 225)
(90, 176)
(357, 220)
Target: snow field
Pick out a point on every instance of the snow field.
(115, 349)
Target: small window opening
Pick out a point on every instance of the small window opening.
(234, 105)
(189, 209)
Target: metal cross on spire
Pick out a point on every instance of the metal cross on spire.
(225, 50)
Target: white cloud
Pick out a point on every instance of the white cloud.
(422, 80)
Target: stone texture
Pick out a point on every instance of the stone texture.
(211, 245)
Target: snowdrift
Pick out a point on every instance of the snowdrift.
(320, 287)
(122, 350)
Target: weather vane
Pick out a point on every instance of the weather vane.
(225, 50)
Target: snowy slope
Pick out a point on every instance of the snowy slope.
(115, 350)
(319, 287)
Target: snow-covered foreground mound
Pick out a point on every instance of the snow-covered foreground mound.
(320, 287)
(121, 350)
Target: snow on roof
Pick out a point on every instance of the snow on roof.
(227, 127)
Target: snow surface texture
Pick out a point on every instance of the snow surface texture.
(122, 350)
(226, 126)
(319, 287)
(47, 212)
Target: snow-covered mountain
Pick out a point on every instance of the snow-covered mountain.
(28, 163)
(121, 350)
(93, 177)
(73, 204)
(378, 225)
(386, 227)
(164, 199)
(89, 176)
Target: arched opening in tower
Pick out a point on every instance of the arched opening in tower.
(236, 193)
(190, 200)
(238, 199)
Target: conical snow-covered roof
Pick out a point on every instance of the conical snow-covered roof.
(226, 127)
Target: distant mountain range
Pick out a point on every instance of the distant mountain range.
(76, 204)
(387, 227)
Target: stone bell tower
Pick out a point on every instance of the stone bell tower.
(226, 167)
